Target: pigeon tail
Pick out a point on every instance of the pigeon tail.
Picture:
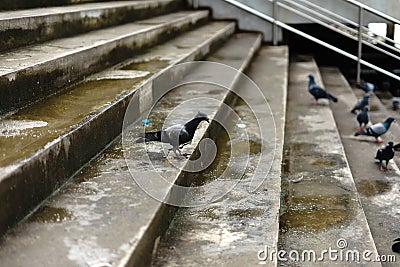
(331, 97)
(149, 137)
(361, 132)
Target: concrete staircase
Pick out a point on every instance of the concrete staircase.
(76, 190)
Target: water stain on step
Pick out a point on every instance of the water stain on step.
(48, 214)
(370, 188)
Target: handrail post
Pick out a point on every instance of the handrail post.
(359, 52)
(195, 4)
(274, 26)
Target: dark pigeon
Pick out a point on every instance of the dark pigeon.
(318, 92)
(396, 245)
(176, 135)
(385, 154)
(366, 86)
(363, 117)
(395, 103)
(377, 129)
(361, 103)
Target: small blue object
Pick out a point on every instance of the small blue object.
(146, 122)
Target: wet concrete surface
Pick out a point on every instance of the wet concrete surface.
(320, 202)
(230, 231)
(29, 181)
(29, 129)
(378, 190)
(103, 217)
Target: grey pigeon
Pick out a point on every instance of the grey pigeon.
(176, 135)
(318, 92)
(385, 154)
(377, 129)
(363, 117)
(361, 103)
(366, 86)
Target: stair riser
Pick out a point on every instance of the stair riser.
(29, 30)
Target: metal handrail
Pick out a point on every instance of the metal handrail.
(364, 35)
(358, 34)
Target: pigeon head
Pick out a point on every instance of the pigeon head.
(388, 122)
(311, 77)
(390, 144)
(202, 116)
(366, 109)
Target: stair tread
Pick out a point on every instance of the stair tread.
(375, 187)
(65, 10)
(246, 221)
(39, 54)
(103, 216)
(324, 206)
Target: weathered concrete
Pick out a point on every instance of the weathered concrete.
(21, 4)
(245, 20)
(378, 191)
(29, 74)
(320, 204)
(103, 218)
(231, 231)
(49, 154)
(26, 27)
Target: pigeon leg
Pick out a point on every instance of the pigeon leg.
(387, 166)
(379, 140)
(381, 168)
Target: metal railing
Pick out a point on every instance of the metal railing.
(333, 21)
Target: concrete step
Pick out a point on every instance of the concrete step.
(378, 191)
(230, 231)
(321, 208)
(31, 73)
(29, 26)
(46, 143)
(246, 21)
(104, 218)
(23, 4)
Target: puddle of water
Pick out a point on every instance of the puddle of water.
(59, 113)
(152, 65)
(315, 205)
(370, 188)
(47, 214)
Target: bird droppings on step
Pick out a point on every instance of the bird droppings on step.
(48, 214)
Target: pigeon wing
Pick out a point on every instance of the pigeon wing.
(378, 129)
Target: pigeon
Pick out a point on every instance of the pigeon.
(363, 117)
(377, 129)
(366, 86)
(395, 102)
(176, 135)
(318, 92)
(361, 103)
(385, 154)
(396, 245)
